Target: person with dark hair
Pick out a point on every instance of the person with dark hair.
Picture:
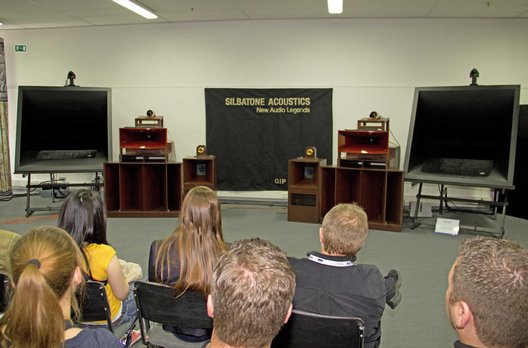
(185, 259)
(83, 216)
(251, 295)
(487, 294)
(330, 282)
(46, 273)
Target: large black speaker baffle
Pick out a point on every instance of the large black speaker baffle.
(63, 129)
(517, 198)
(464, 135)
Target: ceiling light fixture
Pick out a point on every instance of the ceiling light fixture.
(136, 8)
(335, 6)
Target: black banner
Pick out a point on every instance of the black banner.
(254, 132)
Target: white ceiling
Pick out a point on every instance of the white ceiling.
(25, 14)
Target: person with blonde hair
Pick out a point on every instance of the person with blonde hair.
(330, 282)
(185, 259)
(251, 295)
(46, 274)
(82, 215)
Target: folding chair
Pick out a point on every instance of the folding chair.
(310, 330)
(95, 307)
(158, 305)
(5, 289)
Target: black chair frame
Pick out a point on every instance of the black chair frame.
(158, 305)
(311, 330)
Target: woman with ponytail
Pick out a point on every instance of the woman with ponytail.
(46, 274)
(185, 259)
(82, 215)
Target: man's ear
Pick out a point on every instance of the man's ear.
(288, 314)
(463, 314)
(210, 309)
(321, 235)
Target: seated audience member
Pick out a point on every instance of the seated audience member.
(329, 282)
(82, 215)
(251, 294)
(7, 240)
(185, 259)
(46, 274)
(487, 294)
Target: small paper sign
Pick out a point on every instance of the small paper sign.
(447, 226)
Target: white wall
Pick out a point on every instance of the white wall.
(372, 64)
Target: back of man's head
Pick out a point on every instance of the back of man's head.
(491, 276)
(344, 229)
(251, 292)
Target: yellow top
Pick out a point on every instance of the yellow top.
(99, 256)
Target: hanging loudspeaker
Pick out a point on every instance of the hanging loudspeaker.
(310, 152)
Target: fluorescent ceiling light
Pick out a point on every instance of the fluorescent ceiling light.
(136, 8)
(334, 6)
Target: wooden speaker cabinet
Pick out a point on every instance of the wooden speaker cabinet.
(304, 189)
(198, 171)
(378, 191)
(142, 189)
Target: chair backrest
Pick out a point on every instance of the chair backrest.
(310, 330)
(94, 304)
(157, 303)
(5, 289)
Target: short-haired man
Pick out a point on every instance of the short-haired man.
(487, 294)
(330, 282)
(251, 295)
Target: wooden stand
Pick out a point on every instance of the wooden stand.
(199, 171)
(378, 191)
(304, 189)
(142, 189)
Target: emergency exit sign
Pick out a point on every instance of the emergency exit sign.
(20, 48)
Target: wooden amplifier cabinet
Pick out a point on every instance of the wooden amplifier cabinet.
(304, 189)
(198, 171)
(143, 141)
(142, 189)
(378, 191)
(363, 148)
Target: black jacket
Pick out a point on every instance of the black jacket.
(335, 285)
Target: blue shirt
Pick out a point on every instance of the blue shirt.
(93, 338)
